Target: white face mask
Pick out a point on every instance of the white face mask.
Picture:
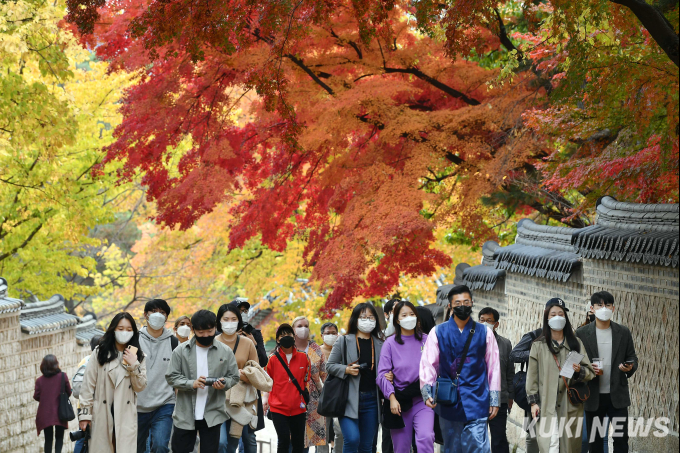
(156, 321)
(557, 322)
(123, 336)
(390, 327)
(229, 327)
(184, 331)
(604, 314)
(408, 323)
(491, 325)
(366, 326)
(330, 339)
(302, 333)
(245, 316)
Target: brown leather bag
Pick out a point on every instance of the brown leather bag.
(578, 392)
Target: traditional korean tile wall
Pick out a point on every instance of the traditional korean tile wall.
(20, 357)
(647, 303)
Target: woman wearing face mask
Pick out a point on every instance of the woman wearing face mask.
(356, 356)
(183, 328)
(404, 408)
(329, 334)
(315, 434)
(286, 402)
(546, 391)
(229, 323)
(108, 396)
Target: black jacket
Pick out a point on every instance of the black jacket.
(622, 350)
(405, 399)
(520, 353)
(263, 359)
(507, 369)
(259, 347)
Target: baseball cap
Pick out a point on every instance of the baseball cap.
(240, 302)
(556, 301)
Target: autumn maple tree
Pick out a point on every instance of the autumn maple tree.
(376, 122)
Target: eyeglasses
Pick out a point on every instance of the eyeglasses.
(367, 318)
(458, 303)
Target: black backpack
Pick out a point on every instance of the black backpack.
(520, 383)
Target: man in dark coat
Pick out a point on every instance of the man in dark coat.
(610, 347)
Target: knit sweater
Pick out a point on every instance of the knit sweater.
(246, 349)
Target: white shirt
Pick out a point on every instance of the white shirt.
(289, 357)
(201, 370)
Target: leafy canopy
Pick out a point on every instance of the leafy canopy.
(376, 123)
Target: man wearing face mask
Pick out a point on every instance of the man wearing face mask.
(250, 332)
(610, 346)
(156, 403)
(200, 407)
(497, 425)
(477, 370)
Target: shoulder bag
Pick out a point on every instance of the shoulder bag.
(65, 409)
(335, 393)
(304, 393)
(578, 392)
(446, 389)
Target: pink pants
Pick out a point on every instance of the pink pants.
(421, 418)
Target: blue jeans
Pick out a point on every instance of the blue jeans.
(153, 428)
(78, 446)
(360, 433)
(585, 445)
(230, 444)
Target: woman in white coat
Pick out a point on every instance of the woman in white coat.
(108, 397)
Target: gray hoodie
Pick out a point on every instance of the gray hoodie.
(158, 352)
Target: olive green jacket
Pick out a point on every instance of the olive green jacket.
(181, 375)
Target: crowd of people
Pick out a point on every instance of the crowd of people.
(208, 383)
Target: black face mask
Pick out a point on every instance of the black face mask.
(462, 312)
(205, 341)
(287, 342)
(591, 317)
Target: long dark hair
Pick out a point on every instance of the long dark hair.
(353, 324)
(50, 365)
(107, 345)
(569, 334)
(225, 308)
(418, 331)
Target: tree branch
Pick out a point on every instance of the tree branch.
(23, 244)
(505, 39)
(309, 72)
(434, 82)
(656, 24)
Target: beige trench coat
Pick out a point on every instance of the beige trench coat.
(546, 387)
(106, 385)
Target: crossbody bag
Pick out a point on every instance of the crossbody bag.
(304, 393)
(446, 391)
(578, 392)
